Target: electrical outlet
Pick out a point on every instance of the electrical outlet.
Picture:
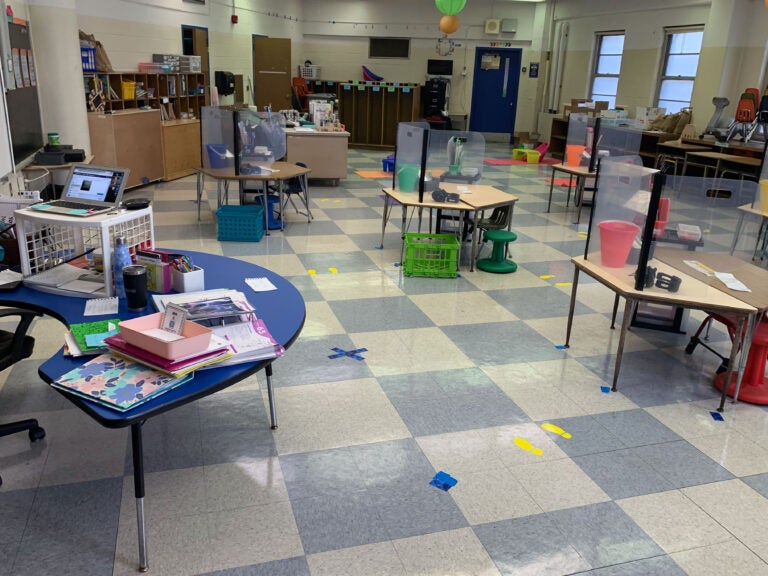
(30, 194)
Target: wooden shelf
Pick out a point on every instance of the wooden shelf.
(181, 94)
(181, 148)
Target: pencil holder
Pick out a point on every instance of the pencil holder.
(192, 281)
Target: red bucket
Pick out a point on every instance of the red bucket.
(616, 237)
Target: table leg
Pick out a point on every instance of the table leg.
(574, 286)
(271, 397)
(615, 310)
(737, 232)
(384, 219)
(200, 188)
(473, 252)
(138, 489)
(629, 308)
(745, 346)
(735, 346)
(551, 185)
(568, 196)
(280, 197)
(402, 234)
(760, 233)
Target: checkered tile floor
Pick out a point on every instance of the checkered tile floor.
(459, 375)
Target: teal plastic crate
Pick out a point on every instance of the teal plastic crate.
(240, 223)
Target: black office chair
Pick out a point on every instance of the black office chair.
(15, 346)
(297, 186)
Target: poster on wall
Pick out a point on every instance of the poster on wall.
(17, 68)
(24, 67)
(490, 61)
(32, 72)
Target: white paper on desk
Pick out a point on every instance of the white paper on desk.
(260, 284)
(100, 306)
(9, 276)
(731, 282)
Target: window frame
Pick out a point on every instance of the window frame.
(599, 38)
(669, 33)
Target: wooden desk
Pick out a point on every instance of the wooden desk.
(717, 159)
(474, 198)
(694, 293)
(281, 171)
(325, 153)
(673, 152)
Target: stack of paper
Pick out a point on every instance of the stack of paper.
(87, 338)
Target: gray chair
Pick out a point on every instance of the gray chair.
(500, 219)
(297, 186)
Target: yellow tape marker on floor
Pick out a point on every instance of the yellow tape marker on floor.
(324, 200)
(555, 430)
(336, 201)
(546, 276)
(525, 445)
(333, 270)
(581, 234)
(312, 272)
(562, 283)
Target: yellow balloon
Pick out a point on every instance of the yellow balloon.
(450, 23)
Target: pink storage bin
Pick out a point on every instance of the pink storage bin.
(196, 337)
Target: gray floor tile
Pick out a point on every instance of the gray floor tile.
(375, 314)
(413, 285)
(604, 535)
(502, 343)
(530, 546)
(588, 436)
(352, 213)
(315, 228)
(636, 427)
(528, 303)
(391, 465)
(15, 509)
(434, 385)
(334, 523)
(758, 482)
(327, 474)
(24, 392)
(307, 287)
(683, 464)
(310, 363)
(623, 473)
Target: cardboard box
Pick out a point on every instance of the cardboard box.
(588, 107)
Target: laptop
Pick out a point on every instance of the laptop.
(89, 190)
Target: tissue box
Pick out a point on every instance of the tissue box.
(192, 281)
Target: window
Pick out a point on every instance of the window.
(389, 47)
(605, 76)
(678, 71)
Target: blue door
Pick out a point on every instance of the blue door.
(494, 90)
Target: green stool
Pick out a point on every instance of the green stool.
(497, 263)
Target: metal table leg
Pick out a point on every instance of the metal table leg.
(138, 489)
(629, 309)
(271, 397)
(574, 287)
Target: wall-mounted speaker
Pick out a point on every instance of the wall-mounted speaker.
(509, 25)
(492, 26)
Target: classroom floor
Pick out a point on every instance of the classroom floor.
(456, 373)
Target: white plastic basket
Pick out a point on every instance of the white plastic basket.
(311, 72)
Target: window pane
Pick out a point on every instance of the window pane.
(612, 44)
(682, 65)
(603, 85)
(686, 42)
(676, 90)
(610, 65)
(672, 107)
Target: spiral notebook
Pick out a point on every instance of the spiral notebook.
(101, 306)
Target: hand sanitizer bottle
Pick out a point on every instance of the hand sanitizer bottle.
(120, 259)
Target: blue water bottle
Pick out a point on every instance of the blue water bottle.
(120, 259)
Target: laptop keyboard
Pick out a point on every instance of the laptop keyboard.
(75, 205)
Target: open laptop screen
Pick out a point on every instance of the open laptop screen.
(94, 184)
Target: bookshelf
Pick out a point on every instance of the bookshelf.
(179, 96)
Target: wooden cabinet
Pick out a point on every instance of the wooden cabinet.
(325, 153)
(648, 141)
(371, 113)
(179, 95)
(181, 148)
(129, 139)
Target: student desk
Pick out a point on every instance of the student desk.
(694, 293)
(673, 152)
(282, 310)
(473, 198)
(754, 211)
(281, 171)
(720, 162)
(580, 173)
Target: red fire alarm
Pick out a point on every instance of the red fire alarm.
(234, 19)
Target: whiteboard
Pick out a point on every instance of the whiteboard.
(6, 154)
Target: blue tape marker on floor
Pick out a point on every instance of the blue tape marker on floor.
(397, 264)
(350, 354)
(561, 347)
(605, 389)
(378, 247)
(717, 417)
(443, 480)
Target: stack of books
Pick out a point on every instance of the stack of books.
(87, 338)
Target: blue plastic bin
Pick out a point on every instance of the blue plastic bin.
(217, 156)
(273, 208)
(240, 223)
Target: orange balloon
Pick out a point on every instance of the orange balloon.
(450, 23)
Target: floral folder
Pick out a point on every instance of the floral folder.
(117, 383)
